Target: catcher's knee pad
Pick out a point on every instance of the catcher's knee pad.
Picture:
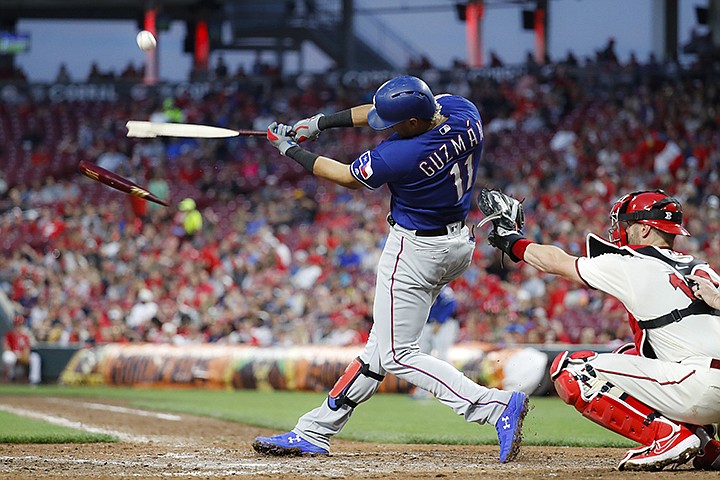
(339, 395)
(575, 380)
(568, 389)
(565, 359)
(577, 384)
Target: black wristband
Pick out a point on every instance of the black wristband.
(303, 157)
(336, 120)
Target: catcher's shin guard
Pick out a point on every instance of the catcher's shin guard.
(605, 404)
(358, 382)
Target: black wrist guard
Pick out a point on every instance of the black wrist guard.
(303, 157)
(336, 120)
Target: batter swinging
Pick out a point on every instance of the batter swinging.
(430, 164)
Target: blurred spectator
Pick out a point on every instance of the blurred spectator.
(221, 69)
(112, 158)
(17, 353)
(158, 185)
(607, 54)
(63, 76)
(72, 250)
(495, 60)
(192, 220)
(143, 311)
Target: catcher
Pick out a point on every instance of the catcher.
(662, 391)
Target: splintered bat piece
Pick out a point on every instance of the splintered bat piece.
(142, 129)
(117, 182)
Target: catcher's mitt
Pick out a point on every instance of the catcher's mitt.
(505, 212)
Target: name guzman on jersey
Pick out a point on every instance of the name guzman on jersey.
(441, 157)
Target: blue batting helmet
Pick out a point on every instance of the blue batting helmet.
(400, 99)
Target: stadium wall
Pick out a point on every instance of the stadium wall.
(304, 368)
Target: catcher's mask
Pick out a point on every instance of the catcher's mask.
(651, 207)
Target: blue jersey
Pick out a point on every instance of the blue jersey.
(430, 176)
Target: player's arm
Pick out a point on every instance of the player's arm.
(546, 258)
(310, 128)
(553, 260)
(508, 218)
(336, 172)
(281, 137)
(358, 116)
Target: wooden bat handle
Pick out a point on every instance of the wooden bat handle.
(252, 133)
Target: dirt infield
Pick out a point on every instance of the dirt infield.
(182, 446)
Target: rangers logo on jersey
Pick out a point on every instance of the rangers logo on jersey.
(365, 167)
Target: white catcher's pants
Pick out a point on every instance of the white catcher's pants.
(688, 391)
(411, 273)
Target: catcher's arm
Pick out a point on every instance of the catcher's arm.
(551, 259)
(507, 216)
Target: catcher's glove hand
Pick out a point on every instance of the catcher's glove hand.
(507, 217)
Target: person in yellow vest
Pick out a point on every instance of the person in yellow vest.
(192, 219)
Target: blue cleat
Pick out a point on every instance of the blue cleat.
(288, 444)
(509, 426)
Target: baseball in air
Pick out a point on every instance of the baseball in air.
(146, 40)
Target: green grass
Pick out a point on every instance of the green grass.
(15, 429)
(385, 419)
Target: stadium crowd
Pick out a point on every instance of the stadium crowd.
(283, 259)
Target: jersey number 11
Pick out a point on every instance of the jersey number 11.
(463, 186)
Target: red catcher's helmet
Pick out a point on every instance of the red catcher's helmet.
(654, 208)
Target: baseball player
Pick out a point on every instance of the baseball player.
(429, 164)
(17, 350)
(440, 331)
(442, 327)
(662, 392)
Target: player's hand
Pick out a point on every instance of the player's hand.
(507, 216)
(504, 239)
(705, 290)
(279, 136)
(307, 128)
